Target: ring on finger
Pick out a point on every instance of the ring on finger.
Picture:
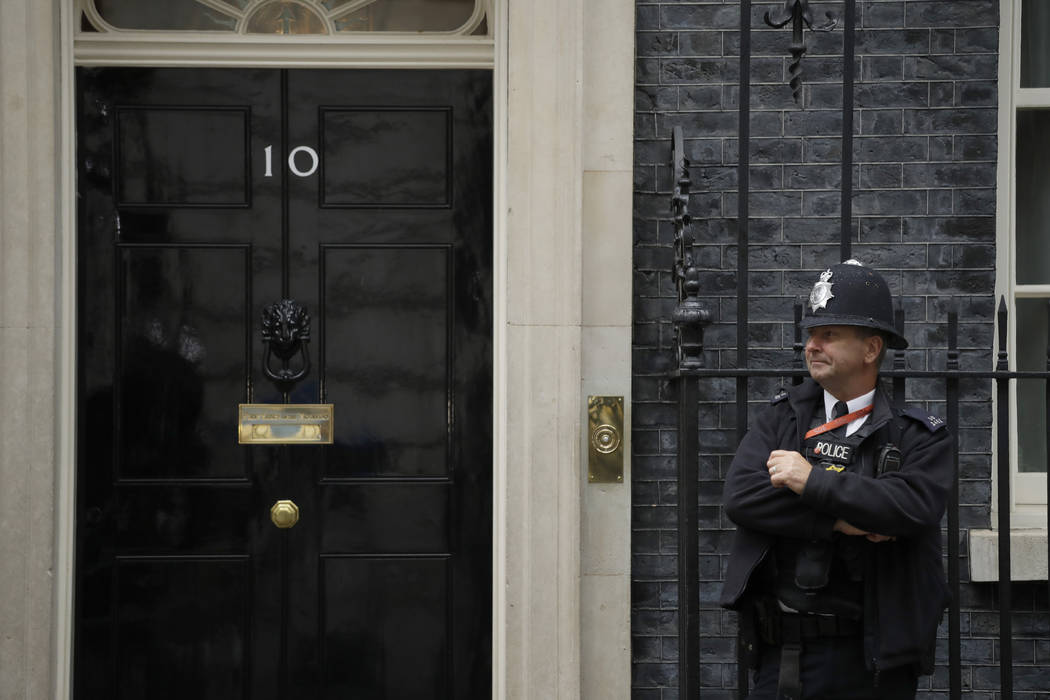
(773, 470)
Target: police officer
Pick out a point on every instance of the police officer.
(837, 496)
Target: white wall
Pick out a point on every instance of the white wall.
(565, 75)
(28, 226)
(566, 543)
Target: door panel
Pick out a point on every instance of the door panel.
(182, 156)
(175, 563)
(184, 336)
(397, 224)
(396, 391)
(168, 643)
(393, 616)
(367, 163)
(206, 195)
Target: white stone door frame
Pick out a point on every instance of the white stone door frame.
(562, 328)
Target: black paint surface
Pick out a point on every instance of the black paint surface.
(184, 588)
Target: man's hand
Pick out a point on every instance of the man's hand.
(791, 469)
(847, 529)
(788, 469)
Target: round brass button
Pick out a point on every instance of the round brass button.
(606, 439)
(284, 514)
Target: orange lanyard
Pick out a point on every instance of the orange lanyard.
(841, 420)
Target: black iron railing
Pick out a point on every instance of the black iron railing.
(690, 318)
(691, 392)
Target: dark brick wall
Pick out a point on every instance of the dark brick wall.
(923, 205)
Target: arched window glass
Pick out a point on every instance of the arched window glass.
(286, 16)
(408, 16)
(183, 15)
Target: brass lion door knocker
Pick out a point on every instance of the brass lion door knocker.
(286, 333)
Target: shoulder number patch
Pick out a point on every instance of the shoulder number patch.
(932, 423)
(779, 396)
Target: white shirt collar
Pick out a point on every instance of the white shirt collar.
(851, 406)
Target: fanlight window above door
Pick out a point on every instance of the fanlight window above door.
(332, 17)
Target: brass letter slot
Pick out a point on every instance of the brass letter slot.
(285, 424)
(605, 439)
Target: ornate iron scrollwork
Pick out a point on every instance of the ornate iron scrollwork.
(799, 14)
(286, 333)
(690, 317)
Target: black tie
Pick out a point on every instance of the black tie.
(838, 411)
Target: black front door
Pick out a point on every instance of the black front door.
(205, 196)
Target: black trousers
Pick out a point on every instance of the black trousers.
(832, 668)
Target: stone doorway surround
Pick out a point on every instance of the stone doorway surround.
(564, 92)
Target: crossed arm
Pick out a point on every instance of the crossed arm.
(791, 470)
(777, 491)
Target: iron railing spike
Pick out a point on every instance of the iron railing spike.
(1047, 417)
(952, 362)
(951, 390)
(1002, 362)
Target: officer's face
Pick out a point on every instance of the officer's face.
(841, 359)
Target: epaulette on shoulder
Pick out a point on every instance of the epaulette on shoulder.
(779, 396)
(932, 422)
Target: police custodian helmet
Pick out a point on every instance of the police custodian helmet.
(850, 294)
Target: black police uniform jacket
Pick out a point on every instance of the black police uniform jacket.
(904, 583)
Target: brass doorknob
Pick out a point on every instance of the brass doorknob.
(284, 514)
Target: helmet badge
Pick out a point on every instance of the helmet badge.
(821, 294)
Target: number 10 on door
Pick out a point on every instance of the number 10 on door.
(293, 161)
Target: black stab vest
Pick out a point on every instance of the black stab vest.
(818, 576)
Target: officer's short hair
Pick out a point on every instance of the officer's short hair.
(865, 332)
